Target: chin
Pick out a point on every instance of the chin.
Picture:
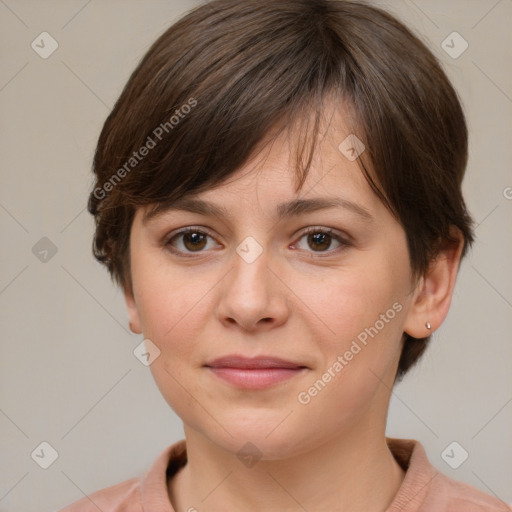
(265, 437)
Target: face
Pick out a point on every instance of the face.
(326, 290)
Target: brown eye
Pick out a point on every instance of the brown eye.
(194, 241)
(187, 241)
(320, 240)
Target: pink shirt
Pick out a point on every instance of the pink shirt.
(424, 488)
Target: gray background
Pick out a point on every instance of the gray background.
(68, 375)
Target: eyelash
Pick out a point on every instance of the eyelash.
(344, 242)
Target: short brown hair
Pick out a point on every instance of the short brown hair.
(214, 84)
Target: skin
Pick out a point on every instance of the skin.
(298, 300)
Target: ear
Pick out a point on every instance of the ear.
(133, 312)
(433, 293)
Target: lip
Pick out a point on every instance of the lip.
(256, 372)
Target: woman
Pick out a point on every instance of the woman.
(278, 193)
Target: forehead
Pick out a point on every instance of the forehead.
(270, 175)
(267, 182)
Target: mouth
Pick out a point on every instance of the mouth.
(254, 373)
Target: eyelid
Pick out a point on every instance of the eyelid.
(183, 231)
(344, 239)
(342, 236)
(190, 229)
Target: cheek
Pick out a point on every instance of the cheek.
(362, 315)
(358, 366)
(171, 321)
(348, 301)
(173, 308)
(169, 306)
(169, 302)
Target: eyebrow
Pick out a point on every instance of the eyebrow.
(290, 209)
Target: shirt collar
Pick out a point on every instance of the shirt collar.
(409, 453)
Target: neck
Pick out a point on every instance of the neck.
(355, 471)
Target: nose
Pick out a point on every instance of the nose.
(253, 297)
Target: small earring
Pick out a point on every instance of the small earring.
(427, 325)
